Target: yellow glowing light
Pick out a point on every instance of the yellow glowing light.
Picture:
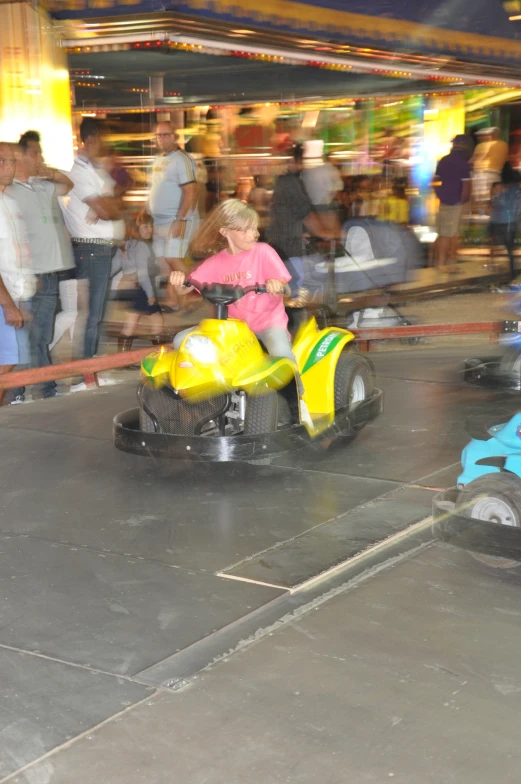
(34, 83)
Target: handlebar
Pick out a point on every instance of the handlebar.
(222, 294)
(246, 290)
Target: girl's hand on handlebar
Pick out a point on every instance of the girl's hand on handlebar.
(276, 287)
(177, 280)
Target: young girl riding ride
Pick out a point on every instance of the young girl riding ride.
(229, 238)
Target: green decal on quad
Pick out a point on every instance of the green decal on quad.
(323, 348)
(148, 364)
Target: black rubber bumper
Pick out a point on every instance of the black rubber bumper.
(129, 438)
(488, 373)
(491, 539)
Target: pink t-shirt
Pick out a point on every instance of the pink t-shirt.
(248, 268)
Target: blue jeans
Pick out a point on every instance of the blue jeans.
(43, 306)
(93, 263)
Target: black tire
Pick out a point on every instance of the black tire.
(505, 488)
(265, 412)
(351, 367)
(510, 362)
(352, 371)
(493, 498)
(509, 369)
(475, 370)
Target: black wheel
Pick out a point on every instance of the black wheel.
(353, 380)
(494, 498)
(510, 361)
(353, 383)
(510, 369)
(265, 412)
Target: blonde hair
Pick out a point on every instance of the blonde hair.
(230, 214)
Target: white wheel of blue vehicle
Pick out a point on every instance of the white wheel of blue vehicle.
(493, 498)
(494, 510)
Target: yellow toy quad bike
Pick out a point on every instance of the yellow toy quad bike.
(220, 397)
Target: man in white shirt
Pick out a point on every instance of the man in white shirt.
(93, 218)
(172, 201)
(15, 276)
(322, 183)
(35, 189)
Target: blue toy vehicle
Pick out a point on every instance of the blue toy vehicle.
(483, 513)
(490, 483)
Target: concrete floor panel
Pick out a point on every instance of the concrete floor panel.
(108, 612)
(88, 413)
(411, 676)
(47, 703)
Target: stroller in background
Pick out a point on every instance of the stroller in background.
(376, 255)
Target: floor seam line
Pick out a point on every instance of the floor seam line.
(439, 471)
(102, 553)
(335, 473)
(421, 380)
(76, 665)
(412, 483)
(26, 429)
(85, 733)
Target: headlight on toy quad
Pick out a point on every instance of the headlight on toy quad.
(201, 348)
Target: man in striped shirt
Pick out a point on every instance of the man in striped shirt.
(172, 202)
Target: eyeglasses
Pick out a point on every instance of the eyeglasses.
(7, 161)
(163, 135)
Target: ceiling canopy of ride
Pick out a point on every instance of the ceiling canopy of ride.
(213, 50)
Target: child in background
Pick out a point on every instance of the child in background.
(396, 206)
(137, 262)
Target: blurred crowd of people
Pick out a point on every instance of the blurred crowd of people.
(65, 236)
(476, 177)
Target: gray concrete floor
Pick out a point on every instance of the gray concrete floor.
(165, 622)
